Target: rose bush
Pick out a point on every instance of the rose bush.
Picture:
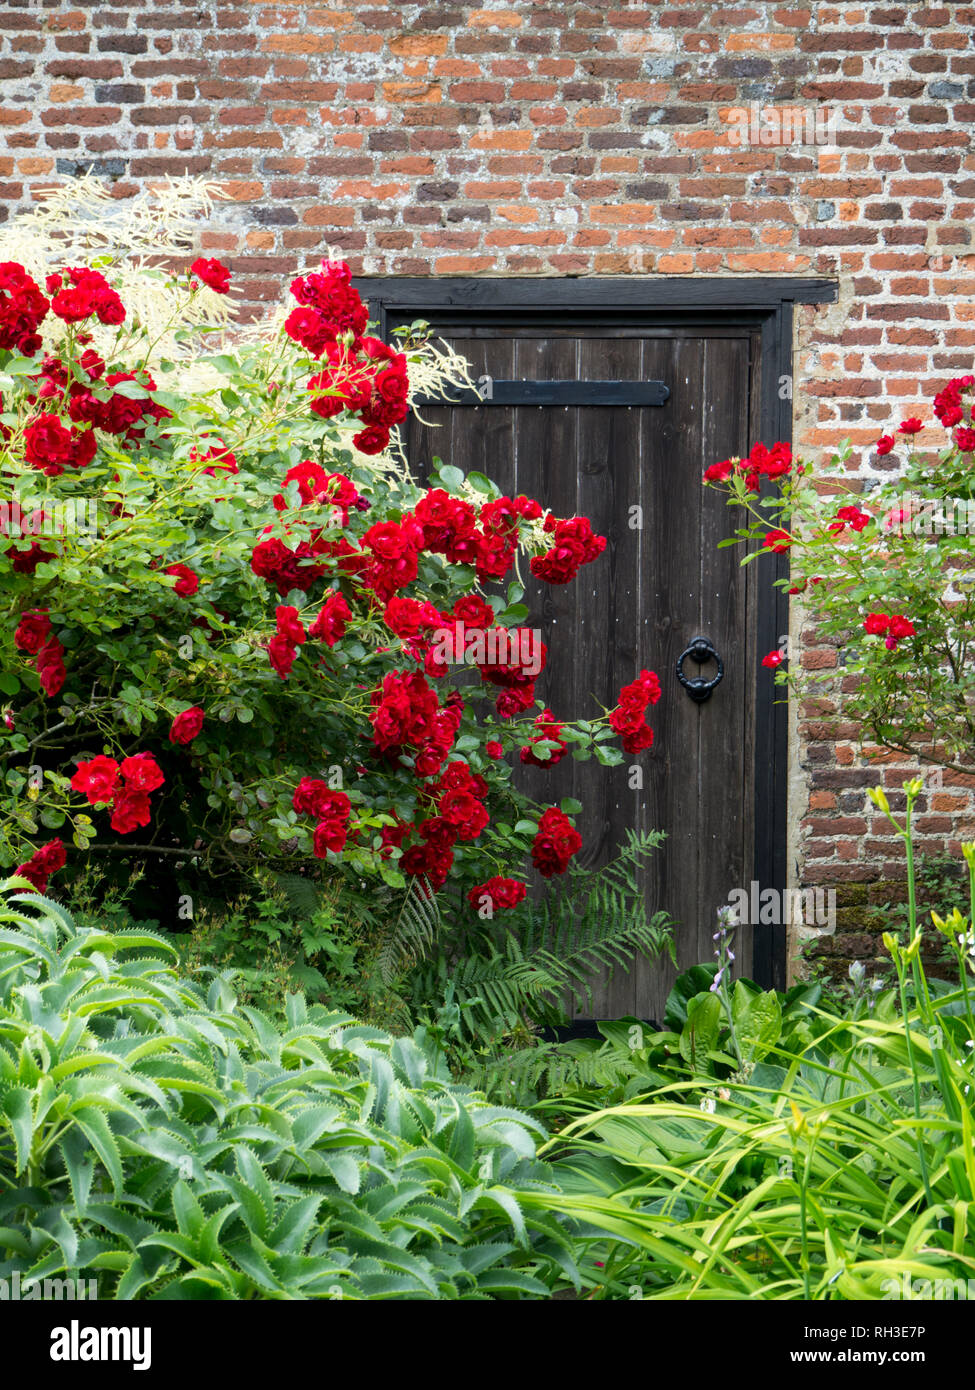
(245, 658)
(885, 568)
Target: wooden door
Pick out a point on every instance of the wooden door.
(661, 582)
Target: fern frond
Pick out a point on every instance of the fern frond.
(413, 932)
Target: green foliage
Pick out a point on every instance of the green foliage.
(172, 1143)
(908, 554)
(833, 1166)
(529, 965)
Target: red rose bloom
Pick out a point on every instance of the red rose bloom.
(131, 810)
(48, 445)
(778, 541)
(773, 659)
(884, 444)
(50, 667)
(142, 773)
(289, 624)
(498, 892)
(97, 779)
(282, 654)
(311, 797)
(555, 842)
(332, 830)
(22, 310)
(333, 616)
(42, 863)
(212, 273)
(548, 732)
(494, 749)
(186, 725)
(901, 627)
(876, 624)
(910, 426)
(33, 630)
(187, 582)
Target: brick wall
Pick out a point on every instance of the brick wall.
(567, 139)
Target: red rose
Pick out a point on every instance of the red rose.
(965, 440)
(42, 863)
(884, 444)
(187, 582)
(142, 773)
(901, 627)
(50, 667)
(131, 810)
(332, 830)
(311, 797)
(47, 445)
(97, 779)
(910, 426)
(499, 893)
(494, 749)
(212, 273)
(876, 624)
(773, 659)
(720, 472)
(333, 616)
(555, 843)
(186, 725)
(22, 310)
(33, 630)
(282, 654)
(778, 541)
(289, 624)
(548, 732)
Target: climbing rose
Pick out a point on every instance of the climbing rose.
(311, 797)
(186, 725)
(884, 444)
(876, 624)
(773, 659)
(22, 310)
(282, 654)
(289, 624)
(329, 626)
(142, 773)
(212, 273)
(910, 426)
(494, 749)
(548, 732)
(332, 829)
(500, 892)
(187, 582)
(42, 863)
(555, 842)
(47, 445)
(50, 667)
(778, 541)
(131, 810)
(32, 630)
(96, 779)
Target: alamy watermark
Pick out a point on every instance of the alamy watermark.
(16, 1290)
(759, 124)
(493, 646)
(71, 516)
(814, 908)
(925, 516)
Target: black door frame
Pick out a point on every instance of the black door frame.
(763, 303)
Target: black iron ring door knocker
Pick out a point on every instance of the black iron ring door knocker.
(701, 651)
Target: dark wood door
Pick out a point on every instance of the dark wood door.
(661, 582)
